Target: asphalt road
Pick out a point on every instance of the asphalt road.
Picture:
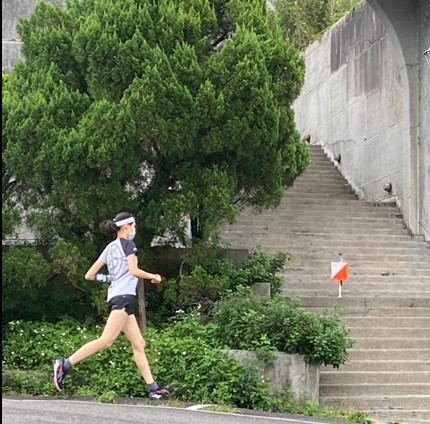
(60, 411)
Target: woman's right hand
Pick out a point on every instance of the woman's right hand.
(156, 279)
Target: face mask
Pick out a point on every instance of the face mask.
(131, 236)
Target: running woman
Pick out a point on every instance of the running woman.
(120, 257)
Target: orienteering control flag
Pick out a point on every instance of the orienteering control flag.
(339, 271)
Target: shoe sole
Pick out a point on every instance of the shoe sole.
(170, 390)
(56, 366)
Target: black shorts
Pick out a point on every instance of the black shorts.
(125, 301)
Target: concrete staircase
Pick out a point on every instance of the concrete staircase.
(385, 302)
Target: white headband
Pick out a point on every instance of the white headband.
(124, 221)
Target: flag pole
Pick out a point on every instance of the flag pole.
(340, 281)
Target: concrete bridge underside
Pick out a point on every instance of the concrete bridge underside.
(408, 26)
(366, 99)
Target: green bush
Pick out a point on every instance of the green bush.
(242, 320)
(260, 267)
(208, 280)
(186, 353)
(36, 288)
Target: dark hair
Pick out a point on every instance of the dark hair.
(108, 227)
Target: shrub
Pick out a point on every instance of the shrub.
(208, 280)
(242, 320)
(260, 267)
(186, 353)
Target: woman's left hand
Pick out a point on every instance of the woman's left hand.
(156, 279)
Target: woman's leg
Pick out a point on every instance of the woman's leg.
(114, 325)
(133, 334)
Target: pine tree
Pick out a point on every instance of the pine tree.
(174, 110)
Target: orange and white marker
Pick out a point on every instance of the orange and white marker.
(339, 272)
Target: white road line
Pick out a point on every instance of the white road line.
(197, 407)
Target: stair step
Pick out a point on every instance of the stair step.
(386, 324)
(333, 292)
(372, 255)
(323, 187)
(385, 303)
(292, 238)
(356, 206)
(345, 302)
(347, 246)
(412, 332)
(293, 279)
(368, 389)
(392, 343)
(348, 290)
(376, 312)
(391, 355)
(357, 286)
(323, 270)
(384, 365)
(404, 416)
(383, 267)
(289, 215)
(385, 402)
(345, 232)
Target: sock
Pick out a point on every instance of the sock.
(67, 365)
(152, 387)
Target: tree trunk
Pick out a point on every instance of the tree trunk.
(141, 319)
(196, 231)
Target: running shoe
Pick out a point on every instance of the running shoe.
(160, 393)
(59, 373)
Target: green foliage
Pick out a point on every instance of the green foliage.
(243, 319)
(304, 21)
(183, 353)
(260, 267)
(198, 284)
(10, 219)
(26, 265)
(176, 111)
(204, 279)
(186, 353)
(107, 397)
(194, 357)
(265, 352)
(359, 417)
(338, 8)
(35, 288)
(26, 382)
(10, 213)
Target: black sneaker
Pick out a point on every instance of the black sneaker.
(160, 393)
(59, 373)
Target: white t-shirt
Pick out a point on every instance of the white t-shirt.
(115, 257)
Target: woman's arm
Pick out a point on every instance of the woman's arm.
(91, 273)
(135, 271)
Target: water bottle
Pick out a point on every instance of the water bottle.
(104, 278)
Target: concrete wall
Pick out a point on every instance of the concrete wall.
(366, 97)
(289, 372)
(12, 10)
(424, 120)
